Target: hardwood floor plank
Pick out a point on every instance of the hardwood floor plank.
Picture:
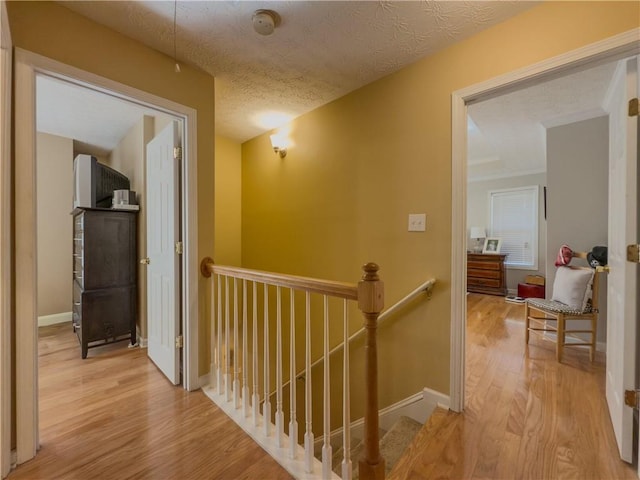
(526, 417)
(115, 416)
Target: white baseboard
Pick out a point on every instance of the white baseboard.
(54, 319)
(418, 406)
(142, 342)
(296, 466)
(204, 380)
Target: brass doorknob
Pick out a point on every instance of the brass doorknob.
(145, 261)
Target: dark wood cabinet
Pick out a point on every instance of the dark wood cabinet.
(486, 273)
(104, 276)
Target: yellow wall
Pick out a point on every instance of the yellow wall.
(361, 164)
(228, 202)
(51, 30)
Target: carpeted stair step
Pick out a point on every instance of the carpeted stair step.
(357, 446)
(397, 439)
(427, 444)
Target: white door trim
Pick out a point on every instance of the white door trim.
(5, 242)
(611, 49)
(28, 65)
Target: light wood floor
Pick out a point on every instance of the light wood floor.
(526, 416)
(114, 416)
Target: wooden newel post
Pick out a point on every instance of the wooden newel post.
(371, 302)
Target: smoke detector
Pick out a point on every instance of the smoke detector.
(265, 21)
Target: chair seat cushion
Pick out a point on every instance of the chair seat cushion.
(558, 307)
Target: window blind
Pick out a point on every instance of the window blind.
(514, 219)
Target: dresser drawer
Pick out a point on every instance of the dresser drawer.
(471, 264)
(484, 282)
(77, 306)
(484, 273)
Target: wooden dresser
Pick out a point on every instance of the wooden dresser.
(486, 273)
(104, 276)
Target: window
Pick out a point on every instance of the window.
(514, 219)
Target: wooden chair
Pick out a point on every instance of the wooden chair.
(541, 314)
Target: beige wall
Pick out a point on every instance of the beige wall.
(228, 187)
(362, 163)
(578, 212)
(129, 158)
(51, 30)
(54, 184)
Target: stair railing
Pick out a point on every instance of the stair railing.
(425, 287)
(234, 383)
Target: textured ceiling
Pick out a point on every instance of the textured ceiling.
(507, 134)
(320, 51)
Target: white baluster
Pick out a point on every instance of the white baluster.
(245, 353)
(227, 348)
(293, 422)
(266, 408)
(347, 468)
(236, 379)
(212, 367)
(279, 413)
(326, 447)
(256, 391)
(219, 340)
(308, 433)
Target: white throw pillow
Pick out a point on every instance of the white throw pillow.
(572, 287)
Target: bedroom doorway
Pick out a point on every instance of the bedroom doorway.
(28, 67)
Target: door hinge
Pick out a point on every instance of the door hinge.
(179, 248)
(633, 108)
(631, 398)
(179, 341)
(633, 253)
(177, 153)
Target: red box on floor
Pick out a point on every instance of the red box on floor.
(526, 290)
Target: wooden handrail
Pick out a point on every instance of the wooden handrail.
(424, 287)
(313, 285)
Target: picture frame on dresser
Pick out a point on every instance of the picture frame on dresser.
(492, 245)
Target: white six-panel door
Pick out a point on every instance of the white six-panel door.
(623, 230)
(163, 269)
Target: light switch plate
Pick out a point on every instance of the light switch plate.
(417, 222)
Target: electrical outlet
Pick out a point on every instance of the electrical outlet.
(417, 222)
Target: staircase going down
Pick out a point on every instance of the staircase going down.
(393, 443)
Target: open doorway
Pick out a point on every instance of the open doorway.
(622, 47)
(28, 67)
(73, 120)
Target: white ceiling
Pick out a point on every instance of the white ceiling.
(320, 51)
(95, 120)
(507, 134)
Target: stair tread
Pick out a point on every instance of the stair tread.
(397, 439)
(438, 425)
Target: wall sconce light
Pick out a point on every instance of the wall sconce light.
(278, 142)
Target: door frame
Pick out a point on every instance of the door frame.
(5, 241)
(608, 50)
(27, 66)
